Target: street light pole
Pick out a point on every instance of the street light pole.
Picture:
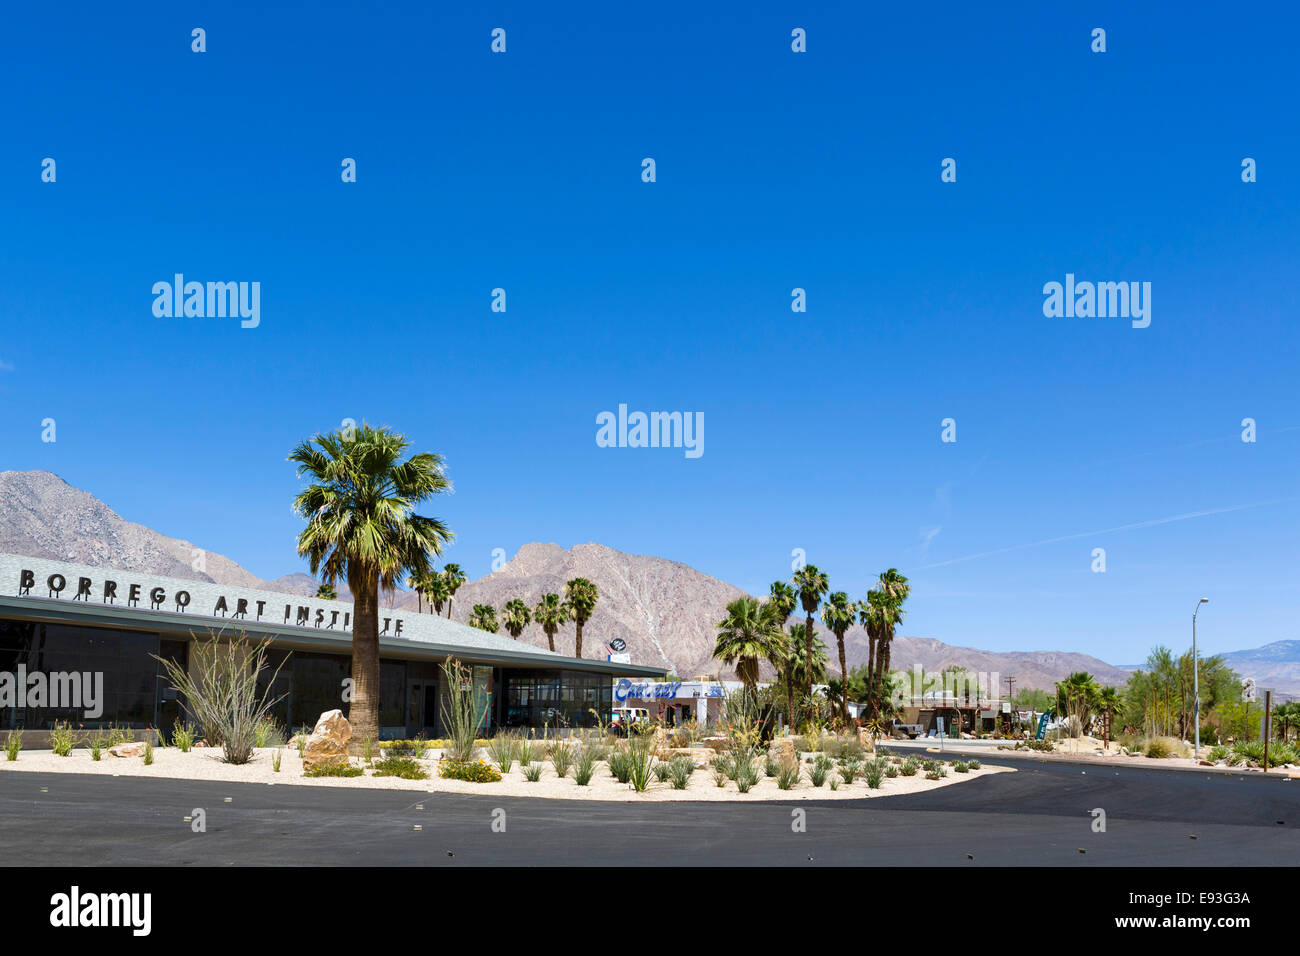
(1196, 683)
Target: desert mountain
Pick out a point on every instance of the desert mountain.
(663, 610)
(1275, 666)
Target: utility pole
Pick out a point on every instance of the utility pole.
(1196, 682)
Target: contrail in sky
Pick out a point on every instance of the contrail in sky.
(1092, 534)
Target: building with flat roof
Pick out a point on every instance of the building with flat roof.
(59, 619)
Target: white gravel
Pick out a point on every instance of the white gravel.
(206, 764)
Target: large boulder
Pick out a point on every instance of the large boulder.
(129, 749)
(328, 743)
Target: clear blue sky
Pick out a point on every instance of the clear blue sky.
(775, 170)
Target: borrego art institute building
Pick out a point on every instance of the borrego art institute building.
(64, 626)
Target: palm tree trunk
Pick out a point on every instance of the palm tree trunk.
(871, 674)
(363, 711)
(550, 635)
(809, 673)
(577, 640)
(844, 676)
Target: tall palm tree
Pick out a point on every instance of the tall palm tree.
(416, 583)
(326, 592)
(581, 596)
(551, 613)
(1109, 702)
(484, 617)
(362, 528)
(747, 634)
(838, 616)
(781, 602)
(453, 577)
(435, 591)
(515, 616)
(803, 650)
(812, 585)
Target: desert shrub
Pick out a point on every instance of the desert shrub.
(1252, 753)
(584, 767)
(910, 766)
(874, 774)
(834, 783)
(224, 700)
(119, 735)
(1161, 747)
(663, 770)
(13, 744)
(268, 733)
(746, 774)
(183, 736)
(462, 715)
(849, 770)
(532, 772)
(720, 778)
(680, 769)
(1218, 753)
(561, 758)
(148, 753)
(961, 766)
(620, 766)
(408, 768)
(787, 774)
(641, 762)
(530, 751)
(504, 747)
(891, 771)
(337, 769)
(63, 738)
(275, 760)
(820, 769)
(769, 766)
(474, 771)
(96, 742)
(974, 764)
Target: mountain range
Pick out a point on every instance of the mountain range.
(663, 610)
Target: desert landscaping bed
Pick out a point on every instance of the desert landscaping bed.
(206, 764)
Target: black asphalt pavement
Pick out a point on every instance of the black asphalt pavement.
(1042, 815)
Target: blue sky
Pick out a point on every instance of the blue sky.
(775, 170)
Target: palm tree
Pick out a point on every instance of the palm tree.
(581, 596)
(551, 613)
(515, 616)
(746, 635)
(803, 650)
(484, 617)
(838, 615)
(326, 592)
(1109, 702)
(812, 585)
(435, 590)
(416, 583)
(362, 528)
(453, 577)
(781, 603)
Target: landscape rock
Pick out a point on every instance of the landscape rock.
(129, 749)
(328, 743)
